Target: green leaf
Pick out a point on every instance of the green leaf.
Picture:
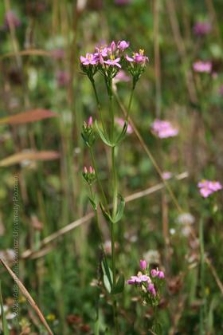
(93, 203)
(103, 136)
(119, 286)
(105, 213)
(122, 134)
(120, 209)
(107, 276)
(4, 321)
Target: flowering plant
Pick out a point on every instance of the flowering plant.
(149, 283)
(108, 60)
(207, 187)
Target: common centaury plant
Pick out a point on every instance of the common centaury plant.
(108, 61)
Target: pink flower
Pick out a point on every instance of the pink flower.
(138, 58)
(143, 264)
(201, 66)
(166, 175)
(157, 273)
(140, 278)
(113, 62)
(163, 129)
(202, 28)
(161, 274)
(121, 76)
(88, 60)
(11, 19)
(154, 272)
(103, 51)
(121, 122)
(207, 187)
(122, 45)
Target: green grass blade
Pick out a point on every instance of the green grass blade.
(4, 321)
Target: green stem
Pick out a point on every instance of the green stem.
(105, 203)
(114, 205)
(130, 103)
(202, 270)
(98, 105)
(114, 182)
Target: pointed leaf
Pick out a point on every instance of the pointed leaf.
(119, 286)
(122, 134)
(107, 275)
(29, 155)
(29, 116)
(93, 203)
(120, 209)
(105, 213)
(103, 136)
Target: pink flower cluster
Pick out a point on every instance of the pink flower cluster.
(145, 280)
(163, 129)
(207, 187)
(201, 66)
(113, 55)
(201, 28)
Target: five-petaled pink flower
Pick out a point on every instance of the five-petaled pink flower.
(113, 62)
(138, 58)
(140, 278)
(201, 66)
(207, 187)
(88, 60)
(163, 129)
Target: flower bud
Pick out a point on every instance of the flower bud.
(161, 274)
(151, 289)
(89, 175)
(143, 264)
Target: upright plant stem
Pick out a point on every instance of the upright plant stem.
(202, 284)
(157, 57)
(130, 103)
(114, 204)
(98, 104)
(98, 179)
